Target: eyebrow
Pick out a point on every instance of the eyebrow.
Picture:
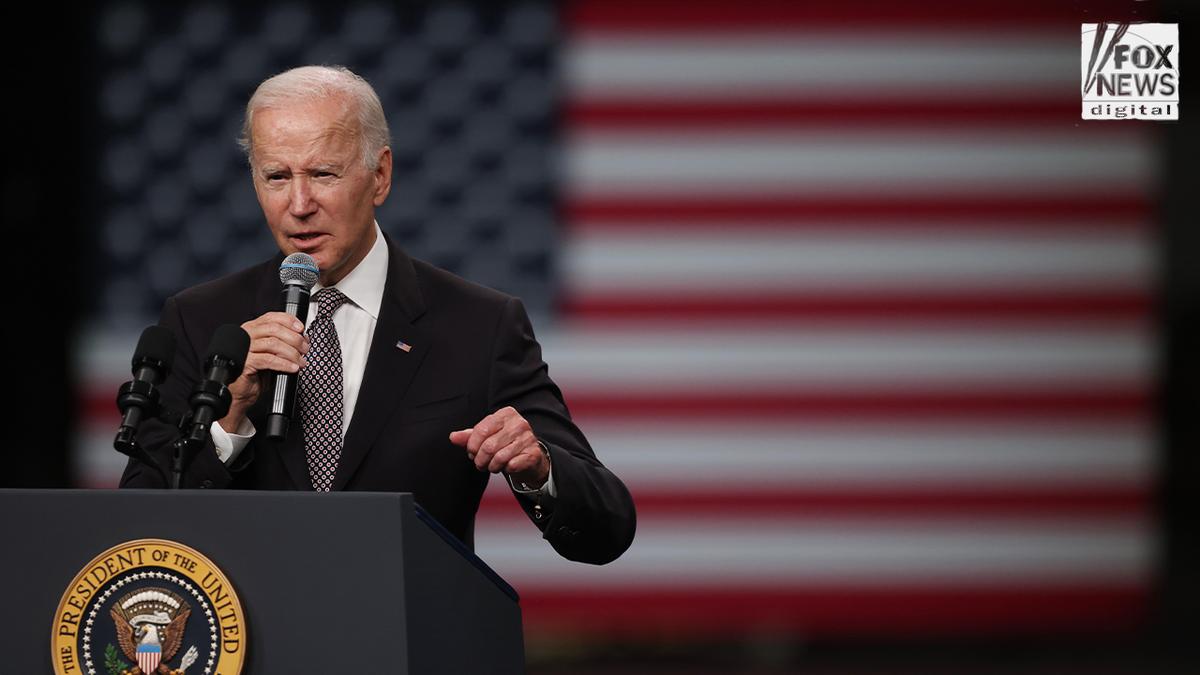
(331, 167)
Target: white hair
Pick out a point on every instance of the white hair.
(315, 83)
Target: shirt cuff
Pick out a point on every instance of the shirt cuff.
(228, 445)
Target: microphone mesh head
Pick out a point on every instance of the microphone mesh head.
(299, 268)
(230, 343)
(156, 344)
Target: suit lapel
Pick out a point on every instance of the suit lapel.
(389, 369)
(291, 449)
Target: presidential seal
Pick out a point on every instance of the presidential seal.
(149, 607)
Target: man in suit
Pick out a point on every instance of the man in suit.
(411, 379)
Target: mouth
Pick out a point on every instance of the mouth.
(307, 238)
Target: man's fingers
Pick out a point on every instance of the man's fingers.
(278, 337)
(277, 343)
(487, 427)
(272, 322)
(515, 456)
(260, 361)
(523, 461)
(499, 450)
(501, 458)
(497, 440)
(502, 437)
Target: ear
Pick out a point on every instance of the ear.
(383, 176)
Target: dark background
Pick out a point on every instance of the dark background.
(50, 191)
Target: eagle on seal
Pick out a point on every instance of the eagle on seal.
(151, 643)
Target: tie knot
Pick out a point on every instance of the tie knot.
(328, 299)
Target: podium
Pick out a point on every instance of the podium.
(327, 582)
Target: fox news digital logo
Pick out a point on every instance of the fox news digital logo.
(1130, 71)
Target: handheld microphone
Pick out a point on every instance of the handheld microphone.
(298, 273)
(139, 399)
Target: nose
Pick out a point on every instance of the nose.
(300, 200)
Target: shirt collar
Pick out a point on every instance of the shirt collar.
(364, 284)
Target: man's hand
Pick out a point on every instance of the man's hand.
(504, 443)
(277, 343)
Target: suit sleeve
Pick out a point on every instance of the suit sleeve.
(157, 438)
(593, 518)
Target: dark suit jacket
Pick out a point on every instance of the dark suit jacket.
(473, 352)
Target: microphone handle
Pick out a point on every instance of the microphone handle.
(283, 385)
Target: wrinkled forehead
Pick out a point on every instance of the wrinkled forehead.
(305, 123)
(334, 111)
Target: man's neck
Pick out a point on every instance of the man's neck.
(364, 284)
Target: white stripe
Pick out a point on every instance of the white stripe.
(705, 262)
(713, 552)
(820, 64)
(767, 456)
(732, 362)
(93, 461)
(652, 163)
(104, 355)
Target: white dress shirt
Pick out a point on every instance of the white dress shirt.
(355, 323)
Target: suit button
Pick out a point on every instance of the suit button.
(207, 485)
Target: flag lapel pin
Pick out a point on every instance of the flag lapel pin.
(404, 346)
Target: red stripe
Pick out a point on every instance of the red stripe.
(645, 306)
(99, 405)
(1018, 501)
(822, 405)
(733, 15)
(727, 614)
(707, 114)
(1053, 212)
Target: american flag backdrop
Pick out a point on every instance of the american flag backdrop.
(859, 308)
(863, 315)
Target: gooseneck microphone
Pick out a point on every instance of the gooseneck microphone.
(210, 398)
(139, 399)
(298, 274)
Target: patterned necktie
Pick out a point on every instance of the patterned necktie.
(320, 391)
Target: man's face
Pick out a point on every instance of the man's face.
(317, 196)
